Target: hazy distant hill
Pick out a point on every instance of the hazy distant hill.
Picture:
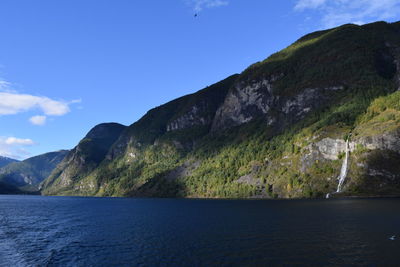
(32, 171)
(4, 161)
(278, 129)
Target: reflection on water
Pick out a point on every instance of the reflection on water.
(62, 231)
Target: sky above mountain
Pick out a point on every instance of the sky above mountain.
(68, 65)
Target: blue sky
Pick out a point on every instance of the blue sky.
(68, 65)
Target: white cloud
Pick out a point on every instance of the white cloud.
(17, 141)
(337, 12)
(199, 5)
(13, 103)
(38, 120)
(13, 147)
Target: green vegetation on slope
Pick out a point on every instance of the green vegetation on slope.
(149, 160)
(350, 55)
(86, 156)
(258, 159)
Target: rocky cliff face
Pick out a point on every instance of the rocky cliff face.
(247, 101)
(276, 130)
(191, 118)
(374, 162)
(383, 141)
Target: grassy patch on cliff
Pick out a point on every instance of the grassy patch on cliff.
(383, 115)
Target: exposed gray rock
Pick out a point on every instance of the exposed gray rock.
(249, 100)
(243, 103)
(331, 148)
(190, 119)
(182, 171)
(381, 172)
(325, 149)
(249, 179)
(389, 141)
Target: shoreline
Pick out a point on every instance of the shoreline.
(208, 198)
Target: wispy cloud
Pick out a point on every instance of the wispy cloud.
(5, 86)
(38, 120)
(18, 141)
(12, 102)
(304, 4)
(337, 12)
(199, 5)
(13, 147)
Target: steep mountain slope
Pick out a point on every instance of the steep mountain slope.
(180, 122)
(32, 171)
(86, 156)
(4, 161)
(278, 129)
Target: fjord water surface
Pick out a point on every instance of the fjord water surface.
(73, 231)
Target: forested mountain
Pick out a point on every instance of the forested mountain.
(285, 127)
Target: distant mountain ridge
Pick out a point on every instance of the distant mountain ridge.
(31, 172)
(4, 161)
(277, 130)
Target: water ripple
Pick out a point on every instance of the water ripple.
(61, 231)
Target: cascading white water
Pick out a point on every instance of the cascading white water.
(343, 170)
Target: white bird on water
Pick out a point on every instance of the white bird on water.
(392, 237)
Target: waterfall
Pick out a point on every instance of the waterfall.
(343, 170)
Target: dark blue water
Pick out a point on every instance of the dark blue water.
(71, 231)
